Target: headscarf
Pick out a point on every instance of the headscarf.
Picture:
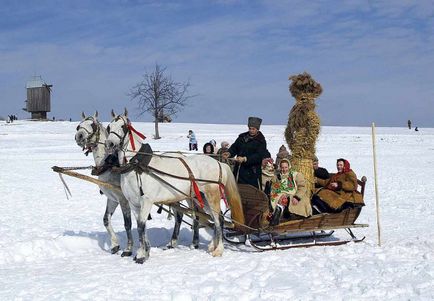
(346, 165)
(285, 185)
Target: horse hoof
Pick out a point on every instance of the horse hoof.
(139, 260)
(216, 253)
(115, 249)
(126, 253)
(196, 246)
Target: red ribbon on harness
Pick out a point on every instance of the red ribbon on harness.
(133, 130)
(222, 192)
(197, 192)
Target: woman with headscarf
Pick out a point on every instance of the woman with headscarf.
(339, 191)
(288, 194)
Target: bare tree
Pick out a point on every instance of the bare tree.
(159, 95)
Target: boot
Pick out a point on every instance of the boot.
(276, 216)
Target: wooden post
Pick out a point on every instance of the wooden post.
(376, 185)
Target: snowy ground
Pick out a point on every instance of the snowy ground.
(54, 248)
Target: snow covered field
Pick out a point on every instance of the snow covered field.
(54, 248)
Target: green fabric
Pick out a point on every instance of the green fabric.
(285, 186)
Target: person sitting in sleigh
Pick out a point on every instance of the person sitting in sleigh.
(338, 192)
(288, 196)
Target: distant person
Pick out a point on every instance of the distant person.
(208, 148)
(250, 149)
(409, 124)
(214, 145)
(70, 119)
(416, 129)
(339, 191)
(192, 142)
(319, 172)
(224, 146)
(282, 154)
(268, 173)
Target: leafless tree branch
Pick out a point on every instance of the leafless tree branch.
(160, 96)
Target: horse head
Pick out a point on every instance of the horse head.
(117, 131)
(87, 134)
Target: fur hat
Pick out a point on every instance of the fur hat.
(254, 122)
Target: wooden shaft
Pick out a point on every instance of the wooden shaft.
(376, 186)
(86, 178)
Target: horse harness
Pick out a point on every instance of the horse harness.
(139, 163)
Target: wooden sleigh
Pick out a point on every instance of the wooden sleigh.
(316, 230)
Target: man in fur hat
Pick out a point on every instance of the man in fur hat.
(249, 148)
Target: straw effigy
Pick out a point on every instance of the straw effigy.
(303, 126)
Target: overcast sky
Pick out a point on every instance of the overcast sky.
(374, 59)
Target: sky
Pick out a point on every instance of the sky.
(374, 59)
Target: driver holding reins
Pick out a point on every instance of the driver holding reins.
(250, 149)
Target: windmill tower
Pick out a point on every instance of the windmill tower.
(38, 101)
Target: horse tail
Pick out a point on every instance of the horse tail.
(234, 198)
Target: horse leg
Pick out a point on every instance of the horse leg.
(143, 251)
(216, 245)
(195, 243)
(110, 208)
(126, 212)
(178, 220)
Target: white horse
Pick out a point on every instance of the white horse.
(91, 135)
(167, 180)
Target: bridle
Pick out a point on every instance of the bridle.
(125, 130)
(90, 134)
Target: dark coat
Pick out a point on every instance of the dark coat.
(254, 149)
(321, 173)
